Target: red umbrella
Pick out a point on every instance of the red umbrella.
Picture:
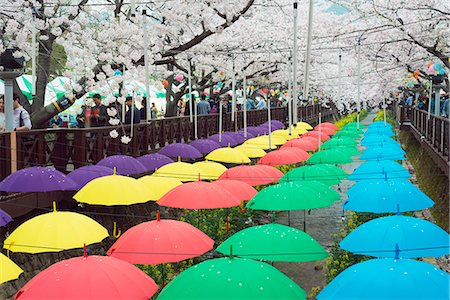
(326, 130)
(252, 175)
(323, 136)
(273, 172)
(283, 157)
(160, 241)
(329, 125)
(240, 189)
(297, 151)
(301, 143)
(89, 277)
(199, 195)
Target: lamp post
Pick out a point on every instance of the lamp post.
(308, 50)
(294, 66)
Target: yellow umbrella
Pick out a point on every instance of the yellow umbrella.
(8, 269)
(228, 155)
(299, 130)
(251, 151)
(284, 133)
(160, 185)
(210, 170)
(263, 141)
(304, 125)
(179, 170)
(114, 190)
(55, 231)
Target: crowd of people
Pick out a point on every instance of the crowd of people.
(21, 118)
(423, 102)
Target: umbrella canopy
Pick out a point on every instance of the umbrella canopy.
(49, 233)
(398, 236)
(376, 139)
(160, 241)
(89, 277)
(239, 189)
(386, 131)
(284, 133)
(325, 130)
(83, 175)
(386, 196)
(4, 218)
(378, 170)
(323, 136)
(339, 142)
(251, 151)
(273, 242)
(276, 123)
(225, 140)
(296, 195)
(154, 161)
(313, 173)
(184, 151)
(328, 125)
(199, 195)
(301, 143)
(37, 179)
(210, 170)
(379, 124)
(205, 146)
(383, 153)
(284, 157)
(304, 125)
(232, 278)
(124, 164)
(252, 175)
(228, 155)
(261, 142)
(159, 185)
(249, 134)
(387, 278)
(179, 170)
(330, 157)
(9, 270)
(255, 130)
(352, 133)
(115, 190)
(355, 125)
(239, 138)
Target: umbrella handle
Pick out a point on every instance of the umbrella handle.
(116, 233)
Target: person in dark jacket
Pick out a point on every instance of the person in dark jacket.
(132, 107)
(98, 113)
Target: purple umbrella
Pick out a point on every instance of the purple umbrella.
(255, 130)
(83, 175)
(236, 136)
(249, 134)
(154, 161)
(37, 179)
(276, 123)
(205, 146)
(265, 128)
(124, 164)
(184, 151)
(4, 218)
(226, 140)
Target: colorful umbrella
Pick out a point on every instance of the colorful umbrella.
(205, 146)
(339, 142)
(8, 269)
(379, 170)
(325, 130)
(239, 138)
(199, 195)
(250, 174)
(228, 155)
(89, 277)
(225, 140)
(379, 124)
(37, 179)
(385, 131)
(383, 153)
(304, 125)
(159, 185)
(49, 233)
(349, 150)
(210, 170)
(232, 278)
(255, 130)
(154, 161)
(386, 196)
(283, 157)
(301, 143)
(179, 170)
(323, 136)
(328, 125)
(398, 236)
(275, 123)
(296, 195)
(387, 278)
(124, 164)
(313, 173)
(160, 241)
(83, 175)
(183, 151)
(329, 157)
(115, 190)
(284, 133)
(251, 151)
(261, 142)
(4, 218)
(376, 139)
(273, 242)
(239, 189)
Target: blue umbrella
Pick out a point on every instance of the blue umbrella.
(377, 170)
(398, 236)
(383, 153)
(389, 144)
(386, 196)
(376, 139)
(388, 278)
(379, 124)
(385, 131)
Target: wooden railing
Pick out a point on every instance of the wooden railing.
(71, 148)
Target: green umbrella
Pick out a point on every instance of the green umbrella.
(232, 278)
(312, 173)
(336, 171)
(339, 142)
(329, 157)
(294, 195)
(349, 150)
(354, 125)
(273, 242)
(353, 133)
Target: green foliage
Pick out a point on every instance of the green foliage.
(350, 118)
(389, 117)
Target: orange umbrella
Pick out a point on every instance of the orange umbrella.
(252, 175)
(283, 157)
(240, 189)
